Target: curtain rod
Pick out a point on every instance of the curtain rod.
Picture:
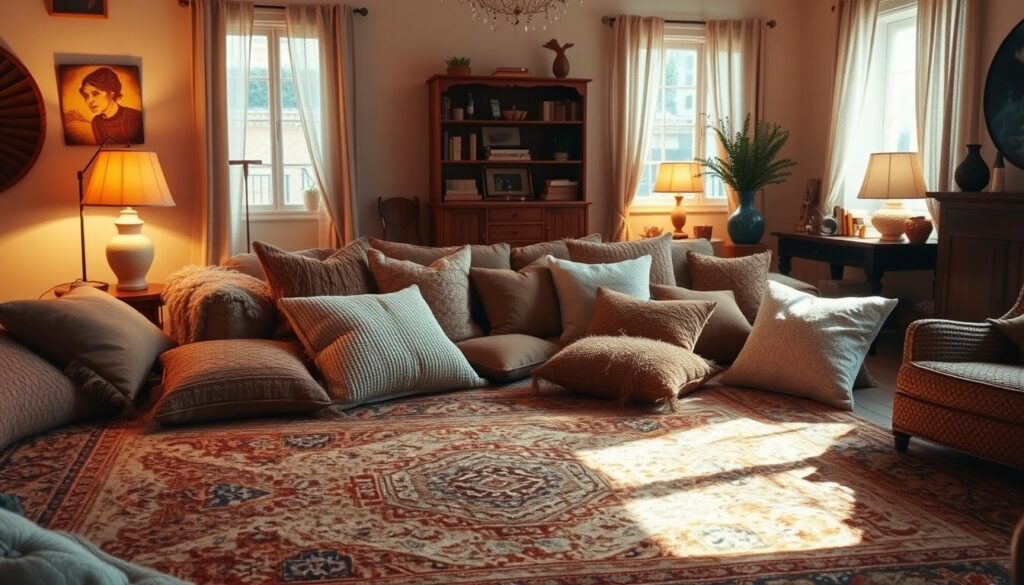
(609, 20)
(362, 11)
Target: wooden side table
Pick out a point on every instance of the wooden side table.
(148, 301)
(740, 250)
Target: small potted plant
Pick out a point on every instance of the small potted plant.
(311, 199)
(459, 66)
(560, 146)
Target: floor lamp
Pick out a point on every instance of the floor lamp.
(244, 163)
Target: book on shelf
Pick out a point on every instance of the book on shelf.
(445, 145)
(455, 148)
(559, 111)
(507, 153)
(460, 186)
(472, 146)
(511, 72)
(560, 190)
(459, 196)
(446, 108)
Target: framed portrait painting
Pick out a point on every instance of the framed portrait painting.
(507, 183)
(88, 8)
(100, 102)
(1004, 97)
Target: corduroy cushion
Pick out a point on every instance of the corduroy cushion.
(518, 302)
(675, 322)
(523, 256)
(377, 347)
(444, 286)
(577, 285)
(1013, 329)
(249, 263)
(236, 378)
(494, 256)
(506, 358)
(659, 249)
(105, 346)
(993, 390)
(294, 275)
(681, 264)
(727, 329)
(34, 395)
(809, 346)
(746, 277)
(627, 369)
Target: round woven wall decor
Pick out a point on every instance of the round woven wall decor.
(22, 120)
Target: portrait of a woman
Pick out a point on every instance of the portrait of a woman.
(100, 103)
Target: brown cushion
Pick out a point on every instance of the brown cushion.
(34, 395)
(1013, 329)
(444, 286)
(746, 277)
(293, 275)
(518, 302)
(675, 322)
(680, 263)
(493, 256)
(236, 378)
(250, 263)
(626, 368)
(726, 330)
(523, 256)
(506, 358)
(659, 249)
(105, 346)
(992, 390)
(378, 347)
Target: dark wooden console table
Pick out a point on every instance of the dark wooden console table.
(874, 257)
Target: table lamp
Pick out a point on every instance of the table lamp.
(128, 178)
(679, 178)
(893, 176)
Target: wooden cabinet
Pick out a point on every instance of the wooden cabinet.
(543, 133)
(981, 254)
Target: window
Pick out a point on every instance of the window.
(678, 122)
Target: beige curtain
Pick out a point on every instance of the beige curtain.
(634, 83)
(946, 89)
(734, 68)
(320, 43)
(221, 36)
(855, 43)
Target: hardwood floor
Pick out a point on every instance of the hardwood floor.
(875, 404)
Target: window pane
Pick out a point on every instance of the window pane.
(689, 68)
(679, 145)
(672, 65)
(261, 185)
(297, 168)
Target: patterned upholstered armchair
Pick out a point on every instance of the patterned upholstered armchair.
(962, 385)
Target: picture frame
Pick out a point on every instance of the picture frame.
(1003, 100)
(77, 8)
(495, 109)
(509, 183)
(500, 137)
(98, 102)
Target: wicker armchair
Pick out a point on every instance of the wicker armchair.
(962, 385)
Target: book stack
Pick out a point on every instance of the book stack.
(461, 190)
(511, 72)
(559, 111)
(458, 147)
(560, 190)
(851, 222)
(507, 153)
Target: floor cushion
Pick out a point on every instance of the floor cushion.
(746, 277)
(249, 263)
(993, 390)
(521, 301)
(577, 284)
(523, 256)
(681, 264)
(727, 328)
(659, 249)
(677, 322)
(496, 256)
(506, 358)
(294, 275)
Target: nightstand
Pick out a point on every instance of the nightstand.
(148, 301)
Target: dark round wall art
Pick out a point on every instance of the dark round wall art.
(1004, 97)
(22, 120)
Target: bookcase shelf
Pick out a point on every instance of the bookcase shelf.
(511, 122)
(512, 162)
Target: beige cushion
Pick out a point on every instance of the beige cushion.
(444, 286)
(523, 256)
(236, 378)
(809, 346)
(659, 249)
(377, 347)
(1013, 329)
(726, 330)
(681, 264)
(250, 263)
(626, 368)
(577, 286)
(746, 277)
(34, 395)
(295, 275)
(675, 322)
(493, 256)
(518, 302)
(105, 346)
(506, 358)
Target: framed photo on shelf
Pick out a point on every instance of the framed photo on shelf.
(500, 136)
(495, 109)
(89, 8)
(507, 183)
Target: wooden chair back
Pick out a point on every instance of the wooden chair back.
(400, 219)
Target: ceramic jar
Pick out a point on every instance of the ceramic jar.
(918, 229)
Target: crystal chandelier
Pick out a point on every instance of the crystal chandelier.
(519, 14)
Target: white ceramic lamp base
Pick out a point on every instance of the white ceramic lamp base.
(130, 253)
(890, 221)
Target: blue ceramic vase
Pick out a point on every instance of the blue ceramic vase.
(746, 224)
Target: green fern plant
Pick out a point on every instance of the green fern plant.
(751, 161)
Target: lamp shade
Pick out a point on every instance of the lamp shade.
(679, 177)
(127, 178)
(893, 175)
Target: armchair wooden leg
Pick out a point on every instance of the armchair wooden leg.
(902, 441)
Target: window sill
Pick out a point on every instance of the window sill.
(268, 216)
(665, 210)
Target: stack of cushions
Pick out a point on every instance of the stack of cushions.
(576, 285)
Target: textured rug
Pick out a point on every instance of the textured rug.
(515, 486)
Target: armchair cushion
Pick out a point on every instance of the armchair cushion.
(989, 389)
(1013, 329)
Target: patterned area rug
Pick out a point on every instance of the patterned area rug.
(516, 486)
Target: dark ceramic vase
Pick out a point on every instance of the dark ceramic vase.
(746, 224)
(972, 173)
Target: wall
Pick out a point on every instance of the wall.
(39, 216)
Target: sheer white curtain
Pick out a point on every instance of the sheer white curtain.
(221, 37)
(946, 108)
(320, 43)
(635, 80)
(734, 69)
(854, 46)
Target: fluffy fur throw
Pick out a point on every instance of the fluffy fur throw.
(192, 290)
